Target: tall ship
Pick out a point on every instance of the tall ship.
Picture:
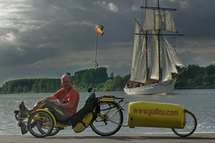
(155, 64)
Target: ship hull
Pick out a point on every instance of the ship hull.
(166, 87)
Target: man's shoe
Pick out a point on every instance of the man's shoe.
(24, 128)
(23, 111)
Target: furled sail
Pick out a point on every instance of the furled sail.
(169, 61)
(138, 70)
(160, 19)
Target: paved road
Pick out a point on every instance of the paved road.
(117, 138)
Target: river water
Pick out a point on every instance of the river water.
(199, 102)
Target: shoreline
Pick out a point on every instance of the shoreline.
(73, 133)
(117, 134)
(119, 138)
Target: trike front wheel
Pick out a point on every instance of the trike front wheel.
(40, 124)
(109, 120)
(189, 125)
(55, 131)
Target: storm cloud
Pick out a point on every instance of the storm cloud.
(47, 38)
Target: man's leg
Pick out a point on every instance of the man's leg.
(58, 112)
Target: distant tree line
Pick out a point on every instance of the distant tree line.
(37, 85)
(195, 77)
(82, 80)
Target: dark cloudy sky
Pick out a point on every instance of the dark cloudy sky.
(47, 38)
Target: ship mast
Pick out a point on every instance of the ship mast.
(159, 57)
(146, 51)
(158, 34)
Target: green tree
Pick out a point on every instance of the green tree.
(210, 70)
(25, 89)
(35, 87)
(111, 76)
(117, 82)
(18, 89)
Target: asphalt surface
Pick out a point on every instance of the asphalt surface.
(117, 138)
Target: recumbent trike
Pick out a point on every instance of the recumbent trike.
(107, 118)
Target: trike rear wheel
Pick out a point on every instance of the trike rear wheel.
(189, 127)
(40, 124)
(110, 119)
